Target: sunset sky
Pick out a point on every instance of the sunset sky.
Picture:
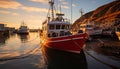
(34, 12)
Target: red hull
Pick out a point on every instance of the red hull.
(72, 43)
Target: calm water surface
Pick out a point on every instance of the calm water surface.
(44, 58)
(16, 45)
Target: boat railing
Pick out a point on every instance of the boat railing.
(59, 19)
(62, 33)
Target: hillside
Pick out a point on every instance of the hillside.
(105, 16)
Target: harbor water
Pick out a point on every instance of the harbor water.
(25, 52)
(17, 45)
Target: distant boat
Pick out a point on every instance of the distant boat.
(23, 29)
(56, 34)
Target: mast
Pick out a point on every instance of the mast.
(60, 9)
(23, 23)
(71, 11)
(52, 8)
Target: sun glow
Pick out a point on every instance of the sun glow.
(34, 12)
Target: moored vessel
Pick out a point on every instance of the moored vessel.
(56, 34)
(23, 29)
(91, 29)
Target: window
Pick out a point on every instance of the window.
(45, 28)
(89, 25)
(51, 26)
(42, 28)
(67, 26)
(57, 26)
(63, 26)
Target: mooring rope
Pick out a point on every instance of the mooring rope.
(100, 60)
(96, 58)
(76, 43)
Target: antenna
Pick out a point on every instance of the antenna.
(60, 9)
(71, 11)
(81, 12)
(23, 23)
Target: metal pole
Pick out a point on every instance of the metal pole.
(71, 12)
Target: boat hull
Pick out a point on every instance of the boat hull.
(72, 43)
(23, 32)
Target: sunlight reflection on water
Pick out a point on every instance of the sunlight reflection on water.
(15, 44)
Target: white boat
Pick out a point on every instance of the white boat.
(91, 29)
(23, 29)
(97, 31)
(88, 28)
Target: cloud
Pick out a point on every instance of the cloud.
(4, 12)
(73, 5)
(8, 12)
(34, 9)
(65, 3)
(16, 14)
(94, 1)
(61, 0)
(9, 4)
(41, 1)
(65, 7)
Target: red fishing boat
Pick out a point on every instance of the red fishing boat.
(56, 34)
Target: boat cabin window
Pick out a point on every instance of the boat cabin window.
(57, 26)
(53, 34)
(51, 26)
(89, 26)
(62, 33)
(63, 27)
(67, 26)
(42, 28)
(82, 26)
(45, 28)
